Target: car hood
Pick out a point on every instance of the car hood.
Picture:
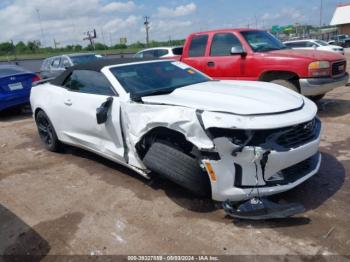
(237, 97)
(311, 54)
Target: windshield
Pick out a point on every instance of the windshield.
(321, 43)
(81, 59)
(261, 41)
(156, 78)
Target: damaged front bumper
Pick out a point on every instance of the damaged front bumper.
(260, 170)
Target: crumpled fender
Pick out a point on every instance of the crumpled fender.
(138, 119)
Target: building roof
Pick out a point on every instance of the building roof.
(341, 15)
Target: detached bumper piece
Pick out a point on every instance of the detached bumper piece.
(261, 209)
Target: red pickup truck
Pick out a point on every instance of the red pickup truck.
(248, 54)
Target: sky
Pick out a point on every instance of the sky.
(65, 21)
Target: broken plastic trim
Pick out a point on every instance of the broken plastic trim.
(261, 209)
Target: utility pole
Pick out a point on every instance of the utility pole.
(90, 36)
(256, 22)
(41, 26)
(55, 43)
(321, 12)
(146, 23)
(14, 51)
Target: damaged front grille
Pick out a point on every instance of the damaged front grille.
(299, 134)
(295, 172)
(280, 139)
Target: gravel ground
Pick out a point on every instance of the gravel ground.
(78, 203)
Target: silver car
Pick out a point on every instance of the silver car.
(53, 66)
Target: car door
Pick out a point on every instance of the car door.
(196, 52)
(55, 67)
(221, 64)
(85, 92)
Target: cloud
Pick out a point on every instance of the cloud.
(181, 10)
(66, 20)
(121, 24)
(285, 14)
(119, 7)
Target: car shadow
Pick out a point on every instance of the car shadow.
(175, 193)
(19, 241)
(311, 194)
(15, 114)
(333, 107)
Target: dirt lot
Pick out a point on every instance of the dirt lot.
(78, 203)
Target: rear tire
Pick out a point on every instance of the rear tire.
(47, 132)
(178, 167)
(286, 84)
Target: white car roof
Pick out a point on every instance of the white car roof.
(301, 40)
(160, 47)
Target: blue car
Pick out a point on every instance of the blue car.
(15, 85)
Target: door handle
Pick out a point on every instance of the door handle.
(211, 64)
(68, 102)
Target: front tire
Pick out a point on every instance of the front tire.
(47, 132)
(286, 84)
(173, 164)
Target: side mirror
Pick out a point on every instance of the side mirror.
(238, 50)
(102, 111)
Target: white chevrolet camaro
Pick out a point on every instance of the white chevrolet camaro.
(232, 139)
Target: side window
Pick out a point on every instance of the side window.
(148, 54)
(139, 55)
(301, 44)
(160, 52)
(310, 44)
(222, 44)
(177, 50)
(46, 65)
(91, 82)
(198, 45)
(65, 62)
(56, 63)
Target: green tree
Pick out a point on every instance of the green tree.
(100, 46)
(120, 46)
(21, 47)
(6, 47)
(33, 45)
(78, 48)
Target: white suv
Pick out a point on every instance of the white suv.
(160, 52)
(314, 44)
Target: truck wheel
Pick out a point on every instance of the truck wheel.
(286, 83)
(47, 132)
(316, 98)
(178, 167)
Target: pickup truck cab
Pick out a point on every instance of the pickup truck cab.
(249, 54)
